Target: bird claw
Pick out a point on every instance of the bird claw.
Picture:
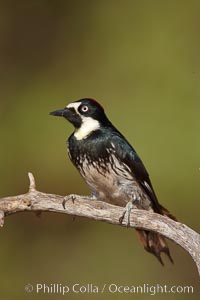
(127, 211)
(71, 197)
(74, 197)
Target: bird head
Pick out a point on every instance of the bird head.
(86, 115)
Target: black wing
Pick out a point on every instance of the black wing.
(126, 154)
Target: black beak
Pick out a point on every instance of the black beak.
(58, 113)
(69, 114)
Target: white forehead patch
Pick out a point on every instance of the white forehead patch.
(74, 105)
(88, 125)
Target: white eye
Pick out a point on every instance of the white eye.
(84, 108)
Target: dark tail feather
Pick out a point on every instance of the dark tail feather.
(154, 242)
(165, 212)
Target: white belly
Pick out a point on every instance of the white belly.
(116, 186)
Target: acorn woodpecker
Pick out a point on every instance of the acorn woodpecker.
(111, 167)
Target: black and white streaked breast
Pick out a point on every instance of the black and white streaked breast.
(109, 178)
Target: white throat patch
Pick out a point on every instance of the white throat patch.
(88, 125)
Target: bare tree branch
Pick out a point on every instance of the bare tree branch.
(1, 218)
(98, 210)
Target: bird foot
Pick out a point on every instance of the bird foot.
(67, 198)
(127, 211)
(74, 197)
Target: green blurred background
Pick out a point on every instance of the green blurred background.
(141, 60)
